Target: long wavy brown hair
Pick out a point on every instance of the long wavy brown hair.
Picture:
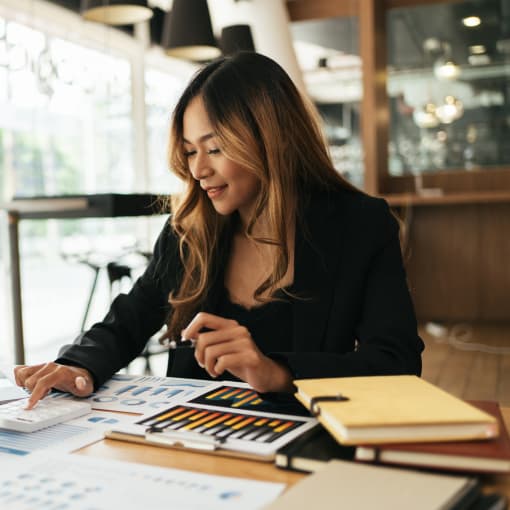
(263, 123)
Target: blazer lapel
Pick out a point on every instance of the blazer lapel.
(316, 263)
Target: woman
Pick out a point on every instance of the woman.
(276, 266)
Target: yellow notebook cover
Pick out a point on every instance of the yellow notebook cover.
(400, 408)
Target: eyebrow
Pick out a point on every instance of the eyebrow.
(203, 138)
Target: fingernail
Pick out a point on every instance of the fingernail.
(80, 382)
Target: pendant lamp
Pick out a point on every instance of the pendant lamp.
(187, 32)
(116, 12)
(236, 38)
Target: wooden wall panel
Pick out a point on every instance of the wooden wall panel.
(442, 255)
(458, 262)
(494, 261)
(302, 10)
(374, 106)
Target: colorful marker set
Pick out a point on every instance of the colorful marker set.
(221, 424)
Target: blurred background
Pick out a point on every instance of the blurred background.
(415, 101)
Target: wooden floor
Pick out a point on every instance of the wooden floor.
(471, 361)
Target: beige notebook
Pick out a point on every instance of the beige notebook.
(342, 484)
(401, 408)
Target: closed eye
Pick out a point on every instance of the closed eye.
(213, 151)
(188, 154)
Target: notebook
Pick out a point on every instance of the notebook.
(491, 456)
(342, 484)
(392, 409)
(310, 451)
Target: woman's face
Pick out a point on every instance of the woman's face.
(228, 185)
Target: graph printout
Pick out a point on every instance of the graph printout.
(144, 394)
(63, 437)
(240, 396)
(222, 424)
(77, 482)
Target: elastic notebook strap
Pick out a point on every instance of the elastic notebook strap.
(315, 409)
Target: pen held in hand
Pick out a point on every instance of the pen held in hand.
(188, 343)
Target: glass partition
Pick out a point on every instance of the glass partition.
(328, 55)
(449, 87)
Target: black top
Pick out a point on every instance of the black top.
(357, 318)
(270, 324)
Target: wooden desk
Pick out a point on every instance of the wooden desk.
(218, 465)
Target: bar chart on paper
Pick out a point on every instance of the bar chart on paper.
(63, 437)
(143, 394)
(222, 424)
(242, 397)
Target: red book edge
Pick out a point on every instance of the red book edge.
(488, 455)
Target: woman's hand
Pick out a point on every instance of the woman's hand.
(229, 346)
(39, 379)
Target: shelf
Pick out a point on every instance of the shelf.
(433, 198)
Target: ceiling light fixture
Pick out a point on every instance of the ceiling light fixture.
(236, 38)
(477, 49)
(452, 109)
(187, 32)
(425, 117)
(471, 21)
(446, 70)
(116, 12)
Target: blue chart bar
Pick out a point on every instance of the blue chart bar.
(125, 389)
(139, 391)
(157, 391)
(20, 443)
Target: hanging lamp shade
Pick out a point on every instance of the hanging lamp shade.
(236, 38)
(116, 12)
(187, 32)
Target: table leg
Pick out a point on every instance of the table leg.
(15, 276)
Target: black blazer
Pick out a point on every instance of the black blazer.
(356, 316)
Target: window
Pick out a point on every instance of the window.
(449, 85)
(68, 97)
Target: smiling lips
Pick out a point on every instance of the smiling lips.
(215, 191)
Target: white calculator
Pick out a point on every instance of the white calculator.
(14, 416)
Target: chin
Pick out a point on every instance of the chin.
(223, 210)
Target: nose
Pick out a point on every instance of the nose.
(199, 166)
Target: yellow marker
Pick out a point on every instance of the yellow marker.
(261, 421)
(274, 423)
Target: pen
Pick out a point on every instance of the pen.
(182, 343)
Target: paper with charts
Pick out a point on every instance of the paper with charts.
(77, 482)
(144, 394)
(63, 437)
(230, 415)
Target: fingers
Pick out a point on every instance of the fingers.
(65, 378)
(216, 343)
(23, 372)
(206, 320)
